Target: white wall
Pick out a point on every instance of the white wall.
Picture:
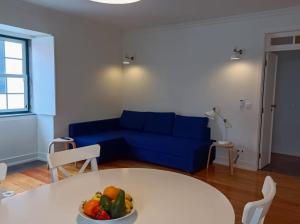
(45, 133)
(18, 137)
(87, 66)
(43, 94)
(186, 69)
(43, 99)
(87, 59)
(286, 117)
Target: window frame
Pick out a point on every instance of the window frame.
(25, 75)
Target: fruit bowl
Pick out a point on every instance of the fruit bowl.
(111, 206)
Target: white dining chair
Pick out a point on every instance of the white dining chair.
(3, 192)
(255, 212)
(58, 159)
(3, 171)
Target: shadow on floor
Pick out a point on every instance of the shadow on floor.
(25, 166)
(285, 164)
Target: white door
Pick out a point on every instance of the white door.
(268, 109)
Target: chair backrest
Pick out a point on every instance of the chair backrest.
(255, 212)
(58, 159)
(3, 171)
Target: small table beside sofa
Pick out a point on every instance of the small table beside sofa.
(165, 139)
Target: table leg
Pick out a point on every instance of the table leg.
(74, 147)
(51, 148)
(208, 159)
(229, 158)
(231, 150)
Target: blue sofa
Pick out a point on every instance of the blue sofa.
(162, 138)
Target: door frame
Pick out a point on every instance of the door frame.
(264, 34)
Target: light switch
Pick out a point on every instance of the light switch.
(245, 104)
(242, 103)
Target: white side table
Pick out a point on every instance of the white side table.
(66, 141)
(231, 152)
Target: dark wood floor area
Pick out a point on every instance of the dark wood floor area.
(244, 186)
(285, 164)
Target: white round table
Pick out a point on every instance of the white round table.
(160, 197)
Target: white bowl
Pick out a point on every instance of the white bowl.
(118, 220)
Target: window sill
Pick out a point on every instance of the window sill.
(16, 115)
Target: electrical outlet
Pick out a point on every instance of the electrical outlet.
(241, 148)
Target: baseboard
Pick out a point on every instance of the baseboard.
(42, 156)
(241, 163)
(11, 161)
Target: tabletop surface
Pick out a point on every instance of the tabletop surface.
(160, 197)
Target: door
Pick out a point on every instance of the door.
(268, 107)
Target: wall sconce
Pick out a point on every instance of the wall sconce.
(128, 60)
(237, 53)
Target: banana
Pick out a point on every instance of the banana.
(128, 197)
(97, 196)
(128, 204)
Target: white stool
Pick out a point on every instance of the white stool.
(65, 140)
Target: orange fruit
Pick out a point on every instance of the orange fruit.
(111, 192)
(89, 206)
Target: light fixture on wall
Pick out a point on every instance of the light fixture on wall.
(212, 115)
(128, 60)
(116, 2)
(237, 53)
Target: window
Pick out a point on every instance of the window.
(282, 40)
(13, 75)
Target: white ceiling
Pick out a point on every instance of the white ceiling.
(161, 12)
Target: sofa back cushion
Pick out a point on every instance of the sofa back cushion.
(191, 127)
(132, 120)
(160, 123)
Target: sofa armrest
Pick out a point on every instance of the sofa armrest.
(93, 127)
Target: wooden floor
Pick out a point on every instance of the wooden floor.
(285, 164)
(244, 186)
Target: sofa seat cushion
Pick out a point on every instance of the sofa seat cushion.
(164, 144)
(191, 127)
(159, 123)
(132, 120)
(101, 137)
